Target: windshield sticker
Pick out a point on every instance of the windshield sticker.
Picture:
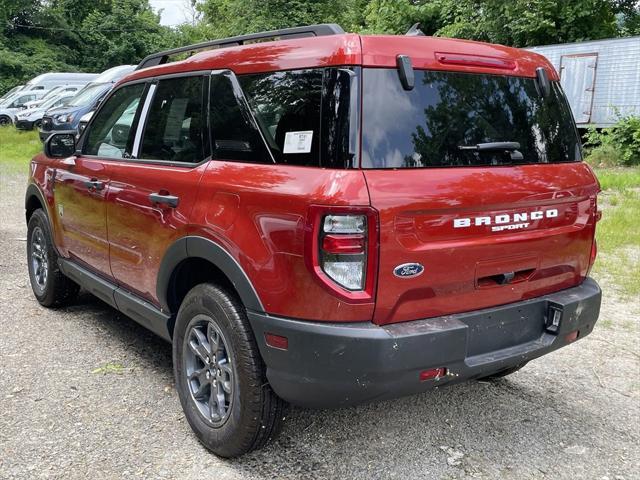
(298, 142)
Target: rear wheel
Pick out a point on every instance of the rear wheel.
(220, 376)
(50, 287)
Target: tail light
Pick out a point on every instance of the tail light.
(342, 250)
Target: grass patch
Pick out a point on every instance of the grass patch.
(17, 148)
(618, 232)
(111, 367)
(618, 178)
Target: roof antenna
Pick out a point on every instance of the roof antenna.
(415, 31)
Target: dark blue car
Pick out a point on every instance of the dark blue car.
(86, 100)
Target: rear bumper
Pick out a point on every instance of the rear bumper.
(338, 364)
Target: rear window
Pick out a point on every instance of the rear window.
(441, 121)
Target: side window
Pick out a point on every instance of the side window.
(112, 130)
(175, 125)
(287, 108)
(234, 133)
(308, 117)
(22, 100)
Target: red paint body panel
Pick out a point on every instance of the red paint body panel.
(381, 51)
(351, 49)
(417, 209)
(81, 212)
(264, 230)
(140, 232)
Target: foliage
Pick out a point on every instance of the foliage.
(76, 35)
(618, 232)
(616, 145)
(37, 36)
(517, 23)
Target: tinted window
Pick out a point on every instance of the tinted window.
(175, 123)
(111, 132)
(304, 115)
(234, 133)
(427, 126)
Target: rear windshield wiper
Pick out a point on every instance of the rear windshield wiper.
(508, 147)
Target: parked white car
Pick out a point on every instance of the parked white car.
(16, 103)
(32, 117)
(54, 92)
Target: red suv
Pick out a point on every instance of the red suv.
(324, 219)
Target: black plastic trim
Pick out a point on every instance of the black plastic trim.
(200, 247)
(329, 365)
(98, 286)
(137, 309)
(161, 58)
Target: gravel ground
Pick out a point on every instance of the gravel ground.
(86, 392)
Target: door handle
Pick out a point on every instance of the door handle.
(94, 184)
(164, 199)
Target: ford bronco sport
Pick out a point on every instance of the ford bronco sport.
(324, 219)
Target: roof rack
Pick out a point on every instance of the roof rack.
(295, 32)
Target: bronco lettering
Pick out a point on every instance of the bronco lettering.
(506, 220)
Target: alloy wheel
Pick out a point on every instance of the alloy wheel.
(39, 258)
(209, 370)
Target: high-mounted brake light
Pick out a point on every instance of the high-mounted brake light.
(342, 250)
(475, 60)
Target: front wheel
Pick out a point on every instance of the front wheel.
(220, 375)
(48, 283)
(5, 120)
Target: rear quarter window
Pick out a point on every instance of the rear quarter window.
(306, 116)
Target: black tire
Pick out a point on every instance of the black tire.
(252, 414)
(5, 120)
(50, 287)
(503, 373)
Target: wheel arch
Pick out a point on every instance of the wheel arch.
(33, 200)
(220, 266)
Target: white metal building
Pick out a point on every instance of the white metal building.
(601, 78)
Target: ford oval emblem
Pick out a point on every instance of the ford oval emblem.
(407, 270)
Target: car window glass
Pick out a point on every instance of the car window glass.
(307, 117)
(287, 108)
(174, 129)
(111, 132)
(441, 121)
(234, 133)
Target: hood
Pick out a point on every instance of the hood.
(61, 110)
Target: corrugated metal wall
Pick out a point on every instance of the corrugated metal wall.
(617, 78)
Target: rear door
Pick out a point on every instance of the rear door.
(477, 226)
(151, 194)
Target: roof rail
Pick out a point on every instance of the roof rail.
(295, 32)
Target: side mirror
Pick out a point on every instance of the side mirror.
(60, 145)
